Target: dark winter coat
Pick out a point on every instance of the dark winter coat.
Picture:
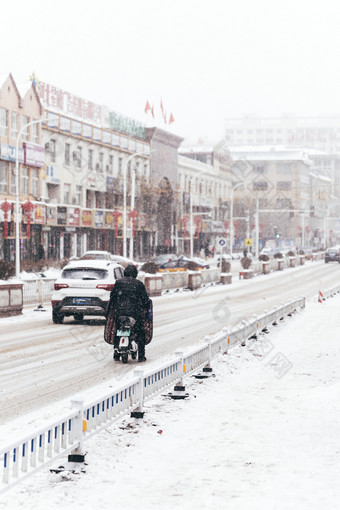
(129, 297)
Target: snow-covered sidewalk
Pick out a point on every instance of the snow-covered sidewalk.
(262, 434)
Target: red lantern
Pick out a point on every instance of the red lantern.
(6, 207)
(133, 215)
(28, 207)
(184, 221)
(116, 214)
(198, 223)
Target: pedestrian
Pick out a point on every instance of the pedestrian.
(129, 298)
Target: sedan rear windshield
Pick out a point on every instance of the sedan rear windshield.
(85, 274)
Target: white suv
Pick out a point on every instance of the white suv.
(84, 289)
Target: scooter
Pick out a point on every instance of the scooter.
(125, 343)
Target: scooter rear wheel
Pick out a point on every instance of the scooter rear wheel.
(125, 357)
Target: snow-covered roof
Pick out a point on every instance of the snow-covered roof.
(321, 177)
(269, 153)
(24, 87)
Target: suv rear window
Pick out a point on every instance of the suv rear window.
(85, 273)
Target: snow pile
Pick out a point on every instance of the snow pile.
(262, 434)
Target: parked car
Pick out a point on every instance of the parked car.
(165, 257)
(332, 254)
(179, 264)
(84, 289)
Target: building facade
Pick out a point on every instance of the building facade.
(20, 114)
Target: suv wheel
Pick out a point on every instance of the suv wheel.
(57, 317)
(78, 316)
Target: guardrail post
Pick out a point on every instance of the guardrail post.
(78, 455)
(180, 354)
(244, 325)
(207, 340)
(139, 413)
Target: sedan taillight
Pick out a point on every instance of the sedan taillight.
(105, 286)
(58, 286)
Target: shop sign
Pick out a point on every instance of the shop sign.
(74, 216)
(51, 215)
(51, 174)
(86, 218)
(99, 219)
(110, 184)
(72, 105)
(217, 226)
(61, 215)
(141, 220)
(8, 152)
(91, 181)
(39, 214)
(108, 220)
(34, 154)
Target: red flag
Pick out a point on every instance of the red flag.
(164, 117)
(152, 112)
(147, 107)
(171, 119)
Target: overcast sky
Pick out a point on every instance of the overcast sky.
(207, 60)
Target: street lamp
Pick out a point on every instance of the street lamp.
(231, 216)
(17, 219)
(132, 198)
(191, 211)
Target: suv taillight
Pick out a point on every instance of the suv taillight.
(58, 286)
(105, 286)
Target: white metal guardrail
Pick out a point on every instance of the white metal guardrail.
(66, 435)
(37, 291)
(325, 294)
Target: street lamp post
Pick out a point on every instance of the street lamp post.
(17, 202)
(231, 216)
(124, 198)
(191, 211)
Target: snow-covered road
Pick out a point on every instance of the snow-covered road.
(248, 438)
(42, 363)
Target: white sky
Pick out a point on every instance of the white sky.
(206, 60)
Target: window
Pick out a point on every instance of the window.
(120, 166)
(52, 151)
(79, 195)
(90, 160)
(285, 185)
(24, 121)
(67, 193)
(13, 179)
(260, 185)
(35, 133)
(110, 169)
(100, 163)
(14, 125)
(35, 182)
(3, 177)
(3, 121)
(67, 153)
(77, 157)
(24, 181)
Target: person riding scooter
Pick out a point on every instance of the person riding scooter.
(129, 298)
